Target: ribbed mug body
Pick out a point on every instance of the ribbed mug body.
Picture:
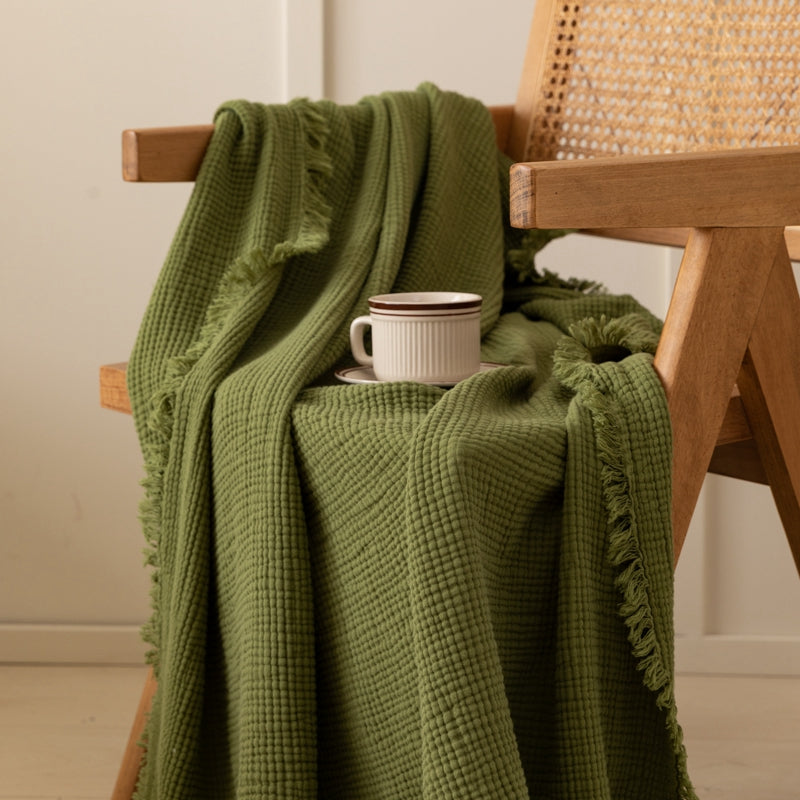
(429, 337)
(429, 349)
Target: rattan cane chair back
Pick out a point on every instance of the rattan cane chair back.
(606, 77)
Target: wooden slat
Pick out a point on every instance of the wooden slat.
(739, 460)
(674, 237)
(677, 237)
(722, 279)
(735, 426)
(734, 188)
(113, 389)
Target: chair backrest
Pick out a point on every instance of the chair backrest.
(614, 77)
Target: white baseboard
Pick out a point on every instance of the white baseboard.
(738, 655)
(71, 644)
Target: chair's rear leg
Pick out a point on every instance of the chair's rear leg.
(770, 386)
(714, 306)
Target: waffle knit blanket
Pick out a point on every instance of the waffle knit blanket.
(396, 590)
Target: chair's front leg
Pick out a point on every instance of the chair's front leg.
(717, 296)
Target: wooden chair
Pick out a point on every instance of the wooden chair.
(664, 122)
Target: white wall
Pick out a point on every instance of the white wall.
(81, 251)
(469, 46)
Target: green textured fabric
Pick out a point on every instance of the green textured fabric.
(394, 590)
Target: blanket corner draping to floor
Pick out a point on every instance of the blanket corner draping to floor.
(396, 590)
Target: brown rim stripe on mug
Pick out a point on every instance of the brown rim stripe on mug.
(408, 306)
(422, 313)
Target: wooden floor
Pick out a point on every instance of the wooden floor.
(62, 730)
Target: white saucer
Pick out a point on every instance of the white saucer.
(366, 375)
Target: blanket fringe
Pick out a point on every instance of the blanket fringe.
(577, 363)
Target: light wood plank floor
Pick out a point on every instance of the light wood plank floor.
(63, 729)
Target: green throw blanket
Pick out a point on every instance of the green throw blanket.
(395, 590)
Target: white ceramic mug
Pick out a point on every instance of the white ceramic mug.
(428, 337)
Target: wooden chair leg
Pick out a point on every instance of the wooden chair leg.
(769, 383)
(716, 300)
(128, 773)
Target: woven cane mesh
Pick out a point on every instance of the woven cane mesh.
(660, 76)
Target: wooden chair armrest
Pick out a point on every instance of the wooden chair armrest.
(174, 154)
(113, 387)
(732, 188)
(164, 154)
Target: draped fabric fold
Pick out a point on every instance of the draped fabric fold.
(393, 590)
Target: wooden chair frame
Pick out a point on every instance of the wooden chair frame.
(729, 355)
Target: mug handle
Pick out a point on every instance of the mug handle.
(357, 327)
